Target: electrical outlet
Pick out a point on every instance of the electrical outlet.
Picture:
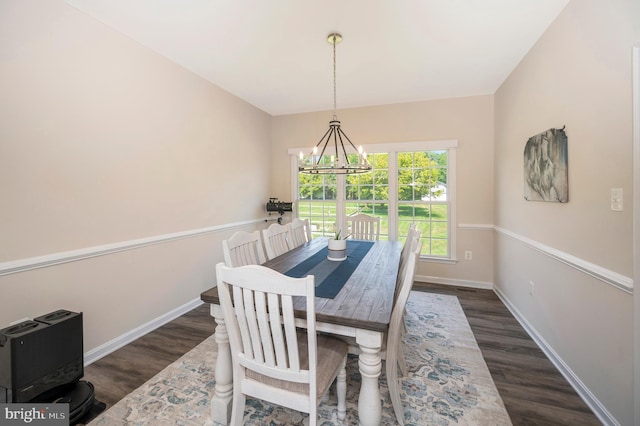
(468, 255)
(532, 287)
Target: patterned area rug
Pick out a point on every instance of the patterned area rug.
(448, 382)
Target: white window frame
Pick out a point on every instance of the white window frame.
(393, 149)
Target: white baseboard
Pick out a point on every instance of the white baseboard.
(454, 282)
(120, 341)
(589, 398)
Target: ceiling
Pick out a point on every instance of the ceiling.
(274, 54)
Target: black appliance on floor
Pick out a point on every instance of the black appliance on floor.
(42, 361)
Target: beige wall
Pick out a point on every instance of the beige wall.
(469, 120)
(578, 75)
(102, 141)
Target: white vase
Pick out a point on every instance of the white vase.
(337, 244)
(337, 249)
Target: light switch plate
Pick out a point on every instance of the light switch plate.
(616, 199)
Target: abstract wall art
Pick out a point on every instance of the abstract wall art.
(546, 176)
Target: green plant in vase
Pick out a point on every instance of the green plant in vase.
(338, 244)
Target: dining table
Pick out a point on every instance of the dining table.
(354, 299)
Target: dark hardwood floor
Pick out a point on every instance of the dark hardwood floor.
(533, 391)
(121, 372)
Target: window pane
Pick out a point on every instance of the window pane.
(405, 192)
(439, 212)
(321, 215)
(381, 177)
(422, 179)
(405, 159)
(439, 247)
(366, 192)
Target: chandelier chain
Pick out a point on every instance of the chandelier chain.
(334, 75)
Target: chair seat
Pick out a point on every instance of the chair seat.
(331, 351)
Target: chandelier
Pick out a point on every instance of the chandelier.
(332, 157)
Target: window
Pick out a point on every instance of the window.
(317, 202)
(422, 198)
(368, 193)
(409, 182)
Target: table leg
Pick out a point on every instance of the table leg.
(223, 392)
(370, 365)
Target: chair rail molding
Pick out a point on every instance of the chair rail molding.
(619, 281)
(27, 264)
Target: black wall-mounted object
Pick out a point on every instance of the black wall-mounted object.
(40, 356)
(273, 205)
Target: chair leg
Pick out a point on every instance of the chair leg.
(402, 365)
(341, 390)
(237, 411)
(394, 388)
(313, 415)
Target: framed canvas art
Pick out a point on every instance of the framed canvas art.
(546, 175)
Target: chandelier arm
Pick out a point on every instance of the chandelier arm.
(349, 140)
(322, 139)
(328, 135)
(336, 134)
(340, 134)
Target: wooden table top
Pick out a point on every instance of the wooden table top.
(366, 299)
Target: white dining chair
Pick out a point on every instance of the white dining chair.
(395, 333)
(300, 232)
(276, 240)
(406, 247)
(392, 347)
(272, 360)
(243, 248)
(411, 244)
(363, 227)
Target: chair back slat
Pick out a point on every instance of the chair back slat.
(243, 325)
(264, 326)
(252, 324)
(279, 344)
(288, 321)
(276, 238)
(243, 248)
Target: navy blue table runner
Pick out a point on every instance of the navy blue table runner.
(331, 275)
